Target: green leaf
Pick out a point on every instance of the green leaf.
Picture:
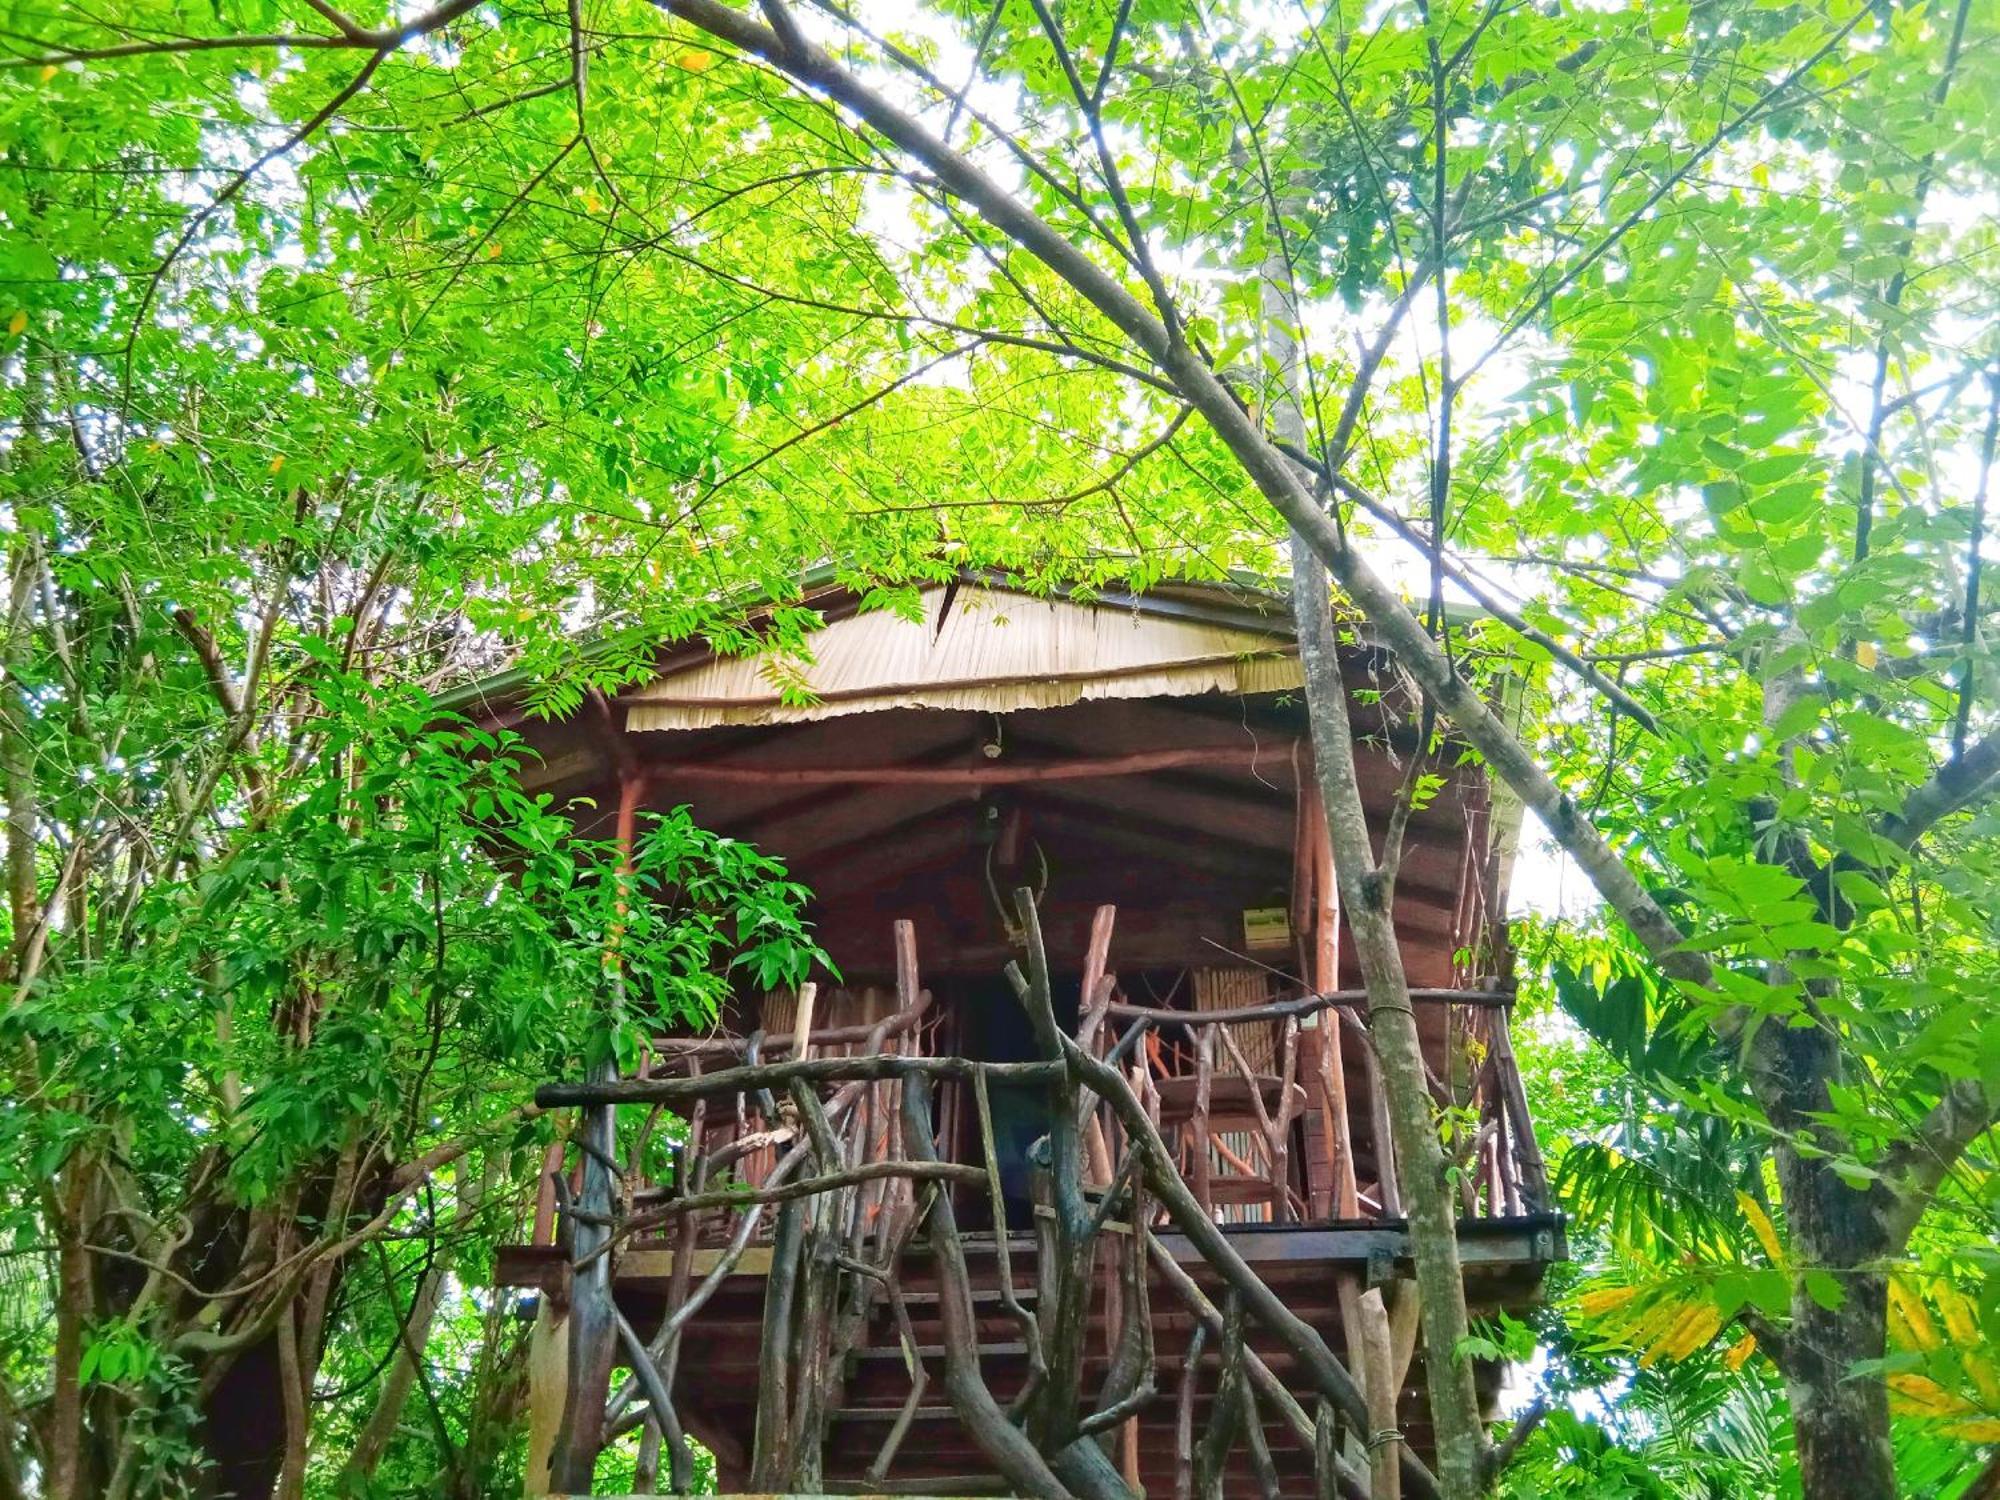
(1825, 1288)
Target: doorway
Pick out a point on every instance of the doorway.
(993, 1027)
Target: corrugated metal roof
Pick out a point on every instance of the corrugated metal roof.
(994, 650)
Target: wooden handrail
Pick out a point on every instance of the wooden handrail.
(1302, 1005)
(893, 1025)
(889, 1067)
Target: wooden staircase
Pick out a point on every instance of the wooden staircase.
(717, 1385)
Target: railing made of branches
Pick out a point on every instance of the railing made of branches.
(1243, 1093)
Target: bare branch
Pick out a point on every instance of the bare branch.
(1915, 1169)
(1724, 133)
(1498, 608)
(1508, 1448)
(235, 185)
(1088, 102)
(1270, 470)
(1957, 784)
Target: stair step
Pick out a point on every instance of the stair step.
(948, 1484)
(931, 1296)
(889, 1413)
(893, 1352)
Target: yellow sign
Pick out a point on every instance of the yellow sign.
(1267, 927)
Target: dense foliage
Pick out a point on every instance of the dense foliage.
(343, 363)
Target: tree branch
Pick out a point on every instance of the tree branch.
(1974, 566)
(1915, 1168)
(1634, 710)
(1270, 470)
(1723, 133)
(1508, 1448)
(1957, 784)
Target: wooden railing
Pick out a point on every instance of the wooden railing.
(734, 1151)
(1241, 1124)
(1255, 1102)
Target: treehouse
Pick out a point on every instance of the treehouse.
(1031, 824)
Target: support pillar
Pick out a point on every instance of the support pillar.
(548, 1382)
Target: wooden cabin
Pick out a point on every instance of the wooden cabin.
(1142, 766)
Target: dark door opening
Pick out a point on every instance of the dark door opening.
(993, 1027)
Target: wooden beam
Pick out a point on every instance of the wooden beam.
(954, 809)
(816, 803)
(1095, 822)
(937, 838)
(995, 773)
(1287, 1252)
(1183, 804)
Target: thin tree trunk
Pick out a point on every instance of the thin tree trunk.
(292, 1469)
(396, 1385)
(63, 1445)
(593, 1331)
(1366, 895)
(17, 760)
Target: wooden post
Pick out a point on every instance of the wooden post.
(1322, 1153)
(1326, 979)
(544, 1232)
(548, 1380)
(593, 1326)
(802, 1021)
(1527, 1153)
(1279, 1128)
(1092, 1000)
(1380, 1386)
(593, 1330)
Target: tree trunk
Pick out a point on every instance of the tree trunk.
(1840, 1240)
(64, 1443)
(1366, 895)
(1841, 1426)
(243, 1426)
(388, 1410)
(1840, 1247)
(17, 763)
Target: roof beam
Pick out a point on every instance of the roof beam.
(995, 773)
